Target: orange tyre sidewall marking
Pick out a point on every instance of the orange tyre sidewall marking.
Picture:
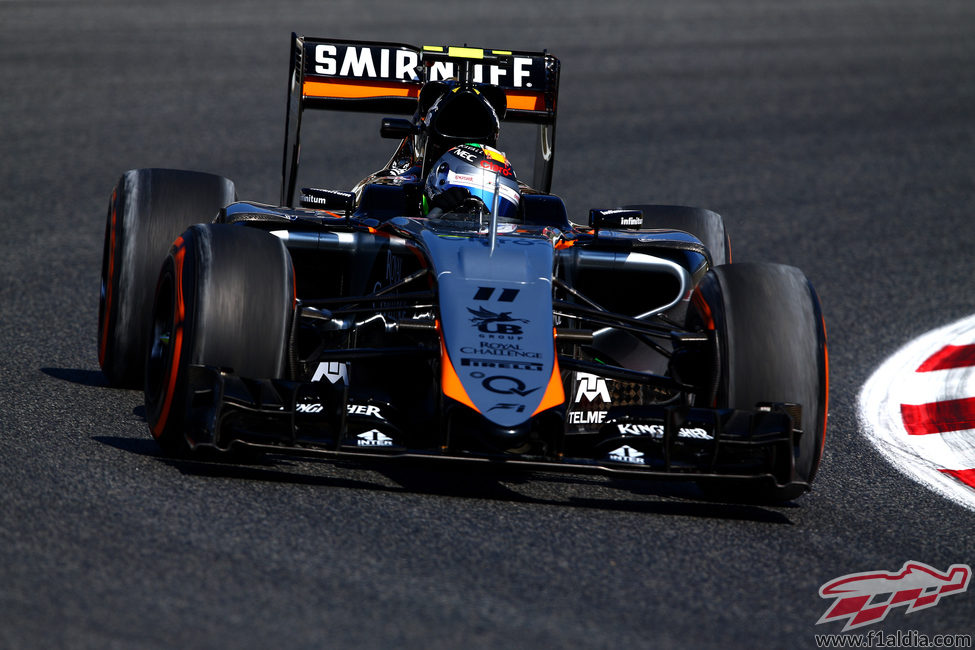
(822, 442)
(176, 344)
(110, 280)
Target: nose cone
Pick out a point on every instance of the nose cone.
(498, 354)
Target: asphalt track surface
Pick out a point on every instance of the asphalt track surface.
(837, 136)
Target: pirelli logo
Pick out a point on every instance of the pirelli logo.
(502, 364)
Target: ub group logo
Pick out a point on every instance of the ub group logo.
(866, 598)
(490, 322)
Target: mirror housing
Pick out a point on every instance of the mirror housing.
(616, 218)
(396, 128)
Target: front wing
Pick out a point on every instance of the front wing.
(646, 442)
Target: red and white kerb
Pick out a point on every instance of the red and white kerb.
(918, 409)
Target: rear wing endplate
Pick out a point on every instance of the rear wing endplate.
(379, 77)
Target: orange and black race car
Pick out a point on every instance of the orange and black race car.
(445, 309)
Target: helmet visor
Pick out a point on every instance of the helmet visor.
(481, 183)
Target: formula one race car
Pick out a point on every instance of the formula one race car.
(445, 310)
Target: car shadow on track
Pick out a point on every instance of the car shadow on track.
(258, 470)
(78, 376)
(648, 497)
(482, 483)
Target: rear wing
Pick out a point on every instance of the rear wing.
(378, 77)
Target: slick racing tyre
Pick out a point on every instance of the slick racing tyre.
(771, 347)
(704, 224)
(225, 298)
(148, 209)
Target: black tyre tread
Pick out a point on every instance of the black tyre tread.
(237, 288)
(149, 208)
(772, 348)
(706, 225)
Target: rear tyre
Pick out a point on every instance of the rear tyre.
(225, 298)
(704, 224)
(148, 209)
(771, 347)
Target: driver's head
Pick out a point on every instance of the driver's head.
(472, 171)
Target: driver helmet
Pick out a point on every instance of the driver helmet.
(476, 168)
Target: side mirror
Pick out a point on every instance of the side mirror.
(396, 128)
(319, 199)
(617, 218)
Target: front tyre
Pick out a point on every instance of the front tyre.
(225, 298)
(148, 209)
(771, 347)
